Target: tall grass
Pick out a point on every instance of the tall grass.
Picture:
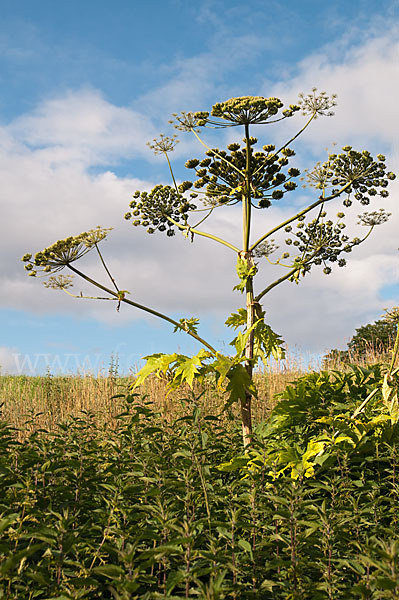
(33, 402)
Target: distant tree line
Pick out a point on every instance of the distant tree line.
(376, 338)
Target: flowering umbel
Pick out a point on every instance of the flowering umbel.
(64, 252)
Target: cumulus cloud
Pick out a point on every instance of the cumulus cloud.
(50, 192)
(82, 126)
(364, 73)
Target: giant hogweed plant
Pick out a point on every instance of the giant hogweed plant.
(255, 178)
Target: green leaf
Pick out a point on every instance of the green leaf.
(245, 545)
(221, 367)
(237, 319)
(174, 578)
(267, 342)
(390, 399)
(244, 272)
(111, 571)
(240, 342)
(187, 367)
(156, 363)
(188, 325)
(234, 464)
(7, 521)
(17, 557)
(239, 384)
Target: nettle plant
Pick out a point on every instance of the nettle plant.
(254, 177)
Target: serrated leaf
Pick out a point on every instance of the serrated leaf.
(237, 319)
(244, 272)
(267, 342)
(239, 384)
(188, 325)
(187, 367)
(221, 367)
(235, 464)
(156, 363)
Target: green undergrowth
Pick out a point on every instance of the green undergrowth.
(149, 508)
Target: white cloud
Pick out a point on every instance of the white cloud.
(49, 193)
(82, 126)
(8, 363)
(365, 76)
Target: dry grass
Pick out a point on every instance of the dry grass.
(372, 356)
(29, 403)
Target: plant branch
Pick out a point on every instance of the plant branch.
(320, 200)
(216, 154)
(277, 282)
(81, 297)
(203, 233)
(106, 268)
(206, 216)
(171, 172)
(142, 307)
(289, 141)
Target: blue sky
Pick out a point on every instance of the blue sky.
(86, 84)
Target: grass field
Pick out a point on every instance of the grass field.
(35, 402)
(44, 401)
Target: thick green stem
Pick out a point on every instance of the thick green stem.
(142, 307)
(246, 410)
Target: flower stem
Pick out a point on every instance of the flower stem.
(142, 307)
